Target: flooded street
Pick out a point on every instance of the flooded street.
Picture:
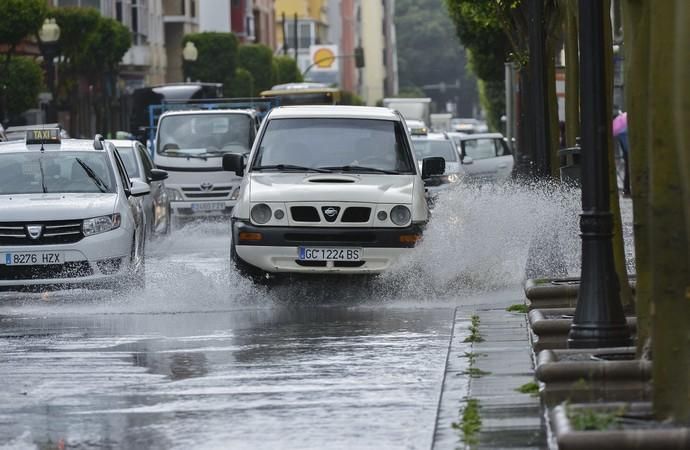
(204, 359)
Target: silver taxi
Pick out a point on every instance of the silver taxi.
(69, 215)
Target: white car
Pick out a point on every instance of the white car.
(486, 157)
(328, 189)
(156, 204)
(439, 145)
(69, 215)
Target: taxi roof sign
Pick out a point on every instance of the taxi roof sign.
(43, 136)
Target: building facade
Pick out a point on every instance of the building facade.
(180, 17)
(379, 77)
(299, 25)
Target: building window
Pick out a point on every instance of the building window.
(192, 8)
(305, 35)
(83, 3)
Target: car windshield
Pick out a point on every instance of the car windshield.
(204, 135)
(480, 148)
(55, 172)
(425, 148)
(334, 144)
(128, 157)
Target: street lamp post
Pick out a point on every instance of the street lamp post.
(49, 34)
(599, 319)
(189, 55)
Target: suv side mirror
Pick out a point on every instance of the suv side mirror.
(467, 160)
(234, 162)
(158, 175)
(434, 165)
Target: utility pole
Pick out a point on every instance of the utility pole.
(296, 41)
(537, 81)
(599, 319)
(285, 36)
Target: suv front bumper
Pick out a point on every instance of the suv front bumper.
(278, 248)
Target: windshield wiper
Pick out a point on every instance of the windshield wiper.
(203, 156)
(96, 179)
(361, 169)
(292, 167)
(43, 175)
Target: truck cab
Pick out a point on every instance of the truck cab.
(190, 145)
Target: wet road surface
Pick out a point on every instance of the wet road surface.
(204, 359)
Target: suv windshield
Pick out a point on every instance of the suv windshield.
(424, 148)
(203, 135)
(331, 144)
(55, 172)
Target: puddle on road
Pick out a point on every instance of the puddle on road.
(477, 241)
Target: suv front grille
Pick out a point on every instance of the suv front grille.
(356, 214)
(305, 214)
(53, 232)
(53, 271)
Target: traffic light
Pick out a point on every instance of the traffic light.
(359, 57)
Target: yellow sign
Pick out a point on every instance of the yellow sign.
(43, 136)
(324, 58)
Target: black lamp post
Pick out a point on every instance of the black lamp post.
(49, 35)
(599, 320)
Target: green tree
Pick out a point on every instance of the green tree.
(18, 19)
(258, 60)
(24, 81)
(217, 58)
(242, 84)
(430, 53)
(481, 31)
(286, 70)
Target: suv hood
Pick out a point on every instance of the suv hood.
(300, 187)
(33, 207)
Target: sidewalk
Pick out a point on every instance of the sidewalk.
(500, 363)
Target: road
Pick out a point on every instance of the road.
(204, 359)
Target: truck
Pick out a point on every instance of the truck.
(411, 108)
(189, 143)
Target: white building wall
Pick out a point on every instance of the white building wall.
(214, 15)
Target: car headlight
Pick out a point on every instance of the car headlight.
(400, 215)
(101, 224)
(261, 213)
(235, 194)
(453, 178)
(174, 195)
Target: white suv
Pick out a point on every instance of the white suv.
(69, 215)
(328, 189)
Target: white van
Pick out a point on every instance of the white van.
(328, 189)
(190, 145)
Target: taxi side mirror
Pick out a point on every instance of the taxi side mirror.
(234, 162)
(434, 165)
(158, 175)
(139, 188)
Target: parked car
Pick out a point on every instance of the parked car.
(485, 156)
(328, 189)
(70, 215)
(139, 166)
(439, 145)
(468, 125)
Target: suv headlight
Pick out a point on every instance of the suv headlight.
(235, 194)
(261, 213)
(174, 195)
(101, 224)
(400, 215)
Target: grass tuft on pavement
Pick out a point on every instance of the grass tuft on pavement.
(518, 308)
(474, 331)
(470, 422)
(531, 388)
